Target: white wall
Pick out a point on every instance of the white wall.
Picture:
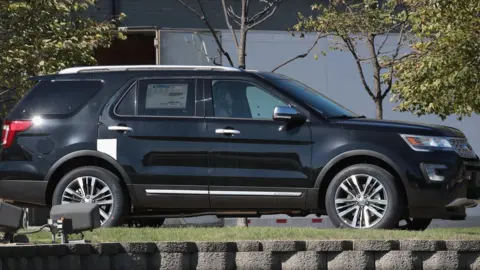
(335, 75)
(187, 48)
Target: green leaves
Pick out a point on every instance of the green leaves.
(356, 24)
(443, 76)
(440, 76)
(41, 37)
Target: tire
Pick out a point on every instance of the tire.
(415, 224)
(115, 212)
(387, 199)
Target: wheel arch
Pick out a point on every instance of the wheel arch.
(79, 159)
(353, 157)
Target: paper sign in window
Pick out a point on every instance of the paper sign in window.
(166, 96)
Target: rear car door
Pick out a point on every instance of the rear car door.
(154, 127)
(255, 162)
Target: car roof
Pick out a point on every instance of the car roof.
(98, 72)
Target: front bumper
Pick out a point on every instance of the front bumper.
(448, 201)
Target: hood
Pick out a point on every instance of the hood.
(398, 127)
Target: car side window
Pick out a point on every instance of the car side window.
(240, 99)
(159, 97)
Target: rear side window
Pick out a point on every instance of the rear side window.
(55, 98)
(159, 97)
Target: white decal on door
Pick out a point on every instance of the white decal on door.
(107, 146)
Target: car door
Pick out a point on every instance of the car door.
(155, 129)
(255, 162)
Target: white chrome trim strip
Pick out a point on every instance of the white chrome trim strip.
(223, 192)
(176, 191)
(120, 128)
(227, 131)
(256, 193)
(142, 67)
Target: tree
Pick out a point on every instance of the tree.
(42, 37)
(246, 21)
(443, 76)
(370, 23)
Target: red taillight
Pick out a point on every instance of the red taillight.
(11, 129)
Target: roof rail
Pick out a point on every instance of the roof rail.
(142, 67)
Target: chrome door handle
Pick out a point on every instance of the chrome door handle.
(120, 128)
(227, 131)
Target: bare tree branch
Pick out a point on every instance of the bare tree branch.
(303, 55)
(376, 66)
(4, 92)
(267, 9)
(395, 55)
(210, 58)
(379, 51)
(203, 17)
(261, 20)
(232, 13)
(225, 10)
(191, 9)
(351, 48)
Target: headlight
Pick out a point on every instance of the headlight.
(427, 143)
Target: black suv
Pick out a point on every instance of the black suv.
(150, 142)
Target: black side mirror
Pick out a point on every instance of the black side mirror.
(285, 113)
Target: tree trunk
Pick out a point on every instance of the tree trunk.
(377, 83)
(242, 47)
(242, 222)
(241, 51)
(379, 108)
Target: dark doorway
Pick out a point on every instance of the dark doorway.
(137, 49)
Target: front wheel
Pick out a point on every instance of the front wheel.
(363, 196)
(94, 185)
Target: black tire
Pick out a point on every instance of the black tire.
(415, 224)
(394, 208)
(120, 202)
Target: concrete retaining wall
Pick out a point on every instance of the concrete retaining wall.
(247, 255)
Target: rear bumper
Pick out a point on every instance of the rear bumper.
(24, 191)
(21, 181)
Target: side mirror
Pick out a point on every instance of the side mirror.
(285, 113)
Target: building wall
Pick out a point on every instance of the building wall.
(172, 14)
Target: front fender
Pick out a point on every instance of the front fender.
(348, 151)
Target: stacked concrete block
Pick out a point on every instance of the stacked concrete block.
(359, 254)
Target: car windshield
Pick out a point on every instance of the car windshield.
(327, 107)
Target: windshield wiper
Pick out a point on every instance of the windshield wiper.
(344, 116)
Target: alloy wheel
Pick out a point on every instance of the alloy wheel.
(88, 189)
(361, 201)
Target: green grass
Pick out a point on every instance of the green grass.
(259, 233)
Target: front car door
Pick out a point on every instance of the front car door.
(255, 162)
(157, 129)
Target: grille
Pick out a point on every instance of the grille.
(462, 147)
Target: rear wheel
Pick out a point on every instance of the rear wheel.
(363, 196)
(94, 185)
